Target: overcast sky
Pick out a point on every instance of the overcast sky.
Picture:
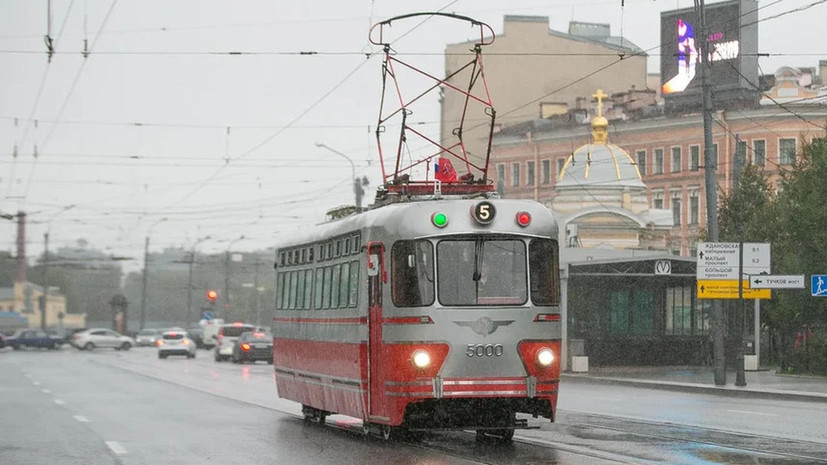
(138, 131)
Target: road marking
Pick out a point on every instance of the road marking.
(46, 391)
(752, 413)
(36, 383)
(81, 419)
(59, 402)
(116, 448)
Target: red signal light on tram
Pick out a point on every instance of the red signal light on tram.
(212, 295)
(523, 219)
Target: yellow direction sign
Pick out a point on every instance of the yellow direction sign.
(728, 289)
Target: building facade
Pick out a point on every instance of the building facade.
(668, 152)
(528, 59)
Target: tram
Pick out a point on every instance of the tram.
(435, 308)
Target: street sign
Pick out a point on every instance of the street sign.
(718, 260)
(206, 316)
(663, 267)
(756, 258)
(776, 282)
(818, 285)
(728, 289)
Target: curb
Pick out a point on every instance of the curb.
(728, 390)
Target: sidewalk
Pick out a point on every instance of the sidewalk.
(760, 384)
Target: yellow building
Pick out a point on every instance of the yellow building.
(24, 299)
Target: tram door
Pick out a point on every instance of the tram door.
(376, 276)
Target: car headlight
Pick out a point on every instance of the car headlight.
(421, 359)
(545, 357)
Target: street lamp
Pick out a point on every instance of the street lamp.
(357, 184)
(189, 286)
(44, 302)
(227, 278)
(146, 261)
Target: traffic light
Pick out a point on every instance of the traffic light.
(212, 295)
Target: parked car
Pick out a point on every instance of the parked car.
(226, 337)
(101, 337)
(2, 340)
(147, 337)
(33, 338)
(175, 343)
(252, 346)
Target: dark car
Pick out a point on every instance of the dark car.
(252, 346)
(196, 333)
(2, 341)
(33, 338)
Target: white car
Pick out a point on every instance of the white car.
(176, 343)
(91, 339)
(226, 337)
(147, 337)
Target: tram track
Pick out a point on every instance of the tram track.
(580, 438)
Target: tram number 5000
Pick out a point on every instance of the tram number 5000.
(484, 350)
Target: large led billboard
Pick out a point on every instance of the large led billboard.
(731, 47)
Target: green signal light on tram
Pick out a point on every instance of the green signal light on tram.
(439, 219)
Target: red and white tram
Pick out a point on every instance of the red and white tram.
(424, 315)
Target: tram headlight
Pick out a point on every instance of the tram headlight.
(545, 357)
(421, 359)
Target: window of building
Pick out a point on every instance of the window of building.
(641, 161)
(515, 175)
(676, 207)
(679, 311)
(759, 152)
(712, 159)
(561, 162)
(786, 151)
(676, 160)
(694, 157)
(546, 171)
(501, 179)
(631, 311)
(529, 173)
(658, 168)
(657, 200)
(694, 207)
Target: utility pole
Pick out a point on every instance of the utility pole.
(45, 298)
(711, 184)
(357, 183)
(227, 279)
(258, 294)
(189, 284)
(739, 160)
(145, 275)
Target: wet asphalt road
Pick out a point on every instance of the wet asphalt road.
(129, 407)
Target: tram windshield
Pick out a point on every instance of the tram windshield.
(479, 271)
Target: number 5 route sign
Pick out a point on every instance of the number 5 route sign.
(818, 285)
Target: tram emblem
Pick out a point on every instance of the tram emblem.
(484, 325)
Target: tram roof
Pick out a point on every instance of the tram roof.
(413, 219)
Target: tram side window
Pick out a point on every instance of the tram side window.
(412, 273)
(300, 290)
(291, 301)
(308, 288)
(334, 286)
(328, 276)
(354, 284)
(280, 291)
(543, 265)
(318, 292)
(343, 287)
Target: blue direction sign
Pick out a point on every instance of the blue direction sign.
(206, 316)
(818, 285)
